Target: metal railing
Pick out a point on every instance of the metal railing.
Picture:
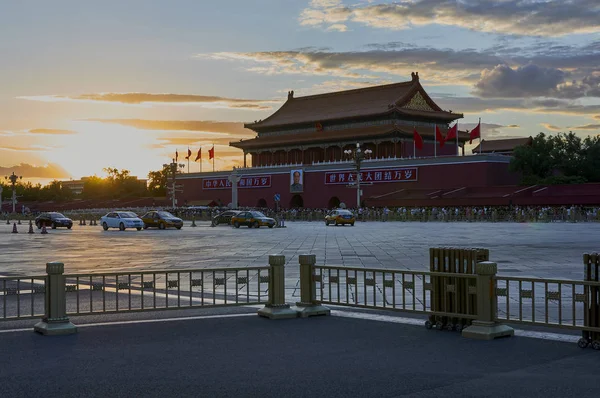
(163, 290)
(397, 290)
(22, 297)
(93, 293)
(545, 302)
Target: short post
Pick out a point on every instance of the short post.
(55, 321)
(307, 305)
(277, 308)
(485, 327)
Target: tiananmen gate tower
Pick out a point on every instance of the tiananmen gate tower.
(301, 154)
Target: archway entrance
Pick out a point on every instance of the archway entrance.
(334, 202)
(262, 203)
(296, 201)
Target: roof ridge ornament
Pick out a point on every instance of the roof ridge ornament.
(290, 95)
(414, 76)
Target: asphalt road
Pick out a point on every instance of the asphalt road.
(248, 356)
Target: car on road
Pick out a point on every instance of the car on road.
(161, 220)
(53, 220)
(225, 217)
(251, 219)
(121, 220)
(340, 217)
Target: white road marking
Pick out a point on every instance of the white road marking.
(566, 338)
(342, 314)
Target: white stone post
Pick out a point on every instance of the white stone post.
(55, 321)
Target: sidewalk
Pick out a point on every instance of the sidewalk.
(242, 355)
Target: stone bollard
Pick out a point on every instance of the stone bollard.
(14, 230)
(485, 327)
(83, 221)
(7, 221)
(193, 221)
(55, 321)
(30, 228)
(19, 222)
(277, 308)
(307, 305)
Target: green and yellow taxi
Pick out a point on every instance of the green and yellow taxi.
(252, 219)
(340, 217)
(161, 220)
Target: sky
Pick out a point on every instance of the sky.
(87, 85)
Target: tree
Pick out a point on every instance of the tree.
(560, 159)
(158, 180)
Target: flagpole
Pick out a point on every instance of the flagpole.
(457, 151)
(213, 149)
(200, 159)
(480, 136)
(434, 141)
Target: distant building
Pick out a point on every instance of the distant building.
(77, 185)
(502, 147)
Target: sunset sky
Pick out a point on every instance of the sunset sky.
(86, 85)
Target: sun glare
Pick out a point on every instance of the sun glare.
(98, 145)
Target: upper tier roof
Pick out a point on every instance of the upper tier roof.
(406, 98)
(502, 145)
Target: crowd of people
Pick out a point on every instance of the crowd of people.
(447, 214)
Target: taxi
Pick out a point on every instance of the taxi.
(251, 219)
(161, 219)
(340, 217)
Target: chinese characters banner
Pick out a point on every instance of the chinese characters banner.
(245, 182)
(383, 175)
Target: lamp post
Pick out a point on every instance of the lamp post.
(173, 166)
(358, 156)
(13, 178)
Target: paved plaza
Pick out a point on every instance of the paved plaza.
(547, 250)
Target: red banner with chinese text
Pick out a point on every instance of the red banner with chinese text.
(375, 176)
(263, 181)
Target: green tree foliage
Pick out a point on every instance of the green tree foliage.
(558, 159)
(28, 192)
(158, 180)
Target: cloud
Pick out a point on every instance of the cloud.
(338, 27)
(527, 81)
(52, 131)
(551, 127)
(145, 98)
(489, 130)
(193, 143)
(438, 65)
(513, 126)
(545, 66)
(587, 127)
(31, 148)
(513, 17)
(230, 128)
(32, 171)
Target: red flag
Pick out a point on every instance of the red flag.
(199, 156)
(439, 137)
(452, 133)
(176, 155)
(211, 153)
(418, 140)
(475, 133)
(189, 154)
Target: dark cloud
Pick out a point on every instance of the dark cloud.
(232, 128)
(527, 81)
(52, 131)
(30, 171)
(521, 17)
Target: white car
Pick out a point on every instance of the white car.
(121, 220)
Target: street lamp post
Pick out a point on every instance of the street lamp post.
(13, 178)
(173, 170)
(358, 156)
